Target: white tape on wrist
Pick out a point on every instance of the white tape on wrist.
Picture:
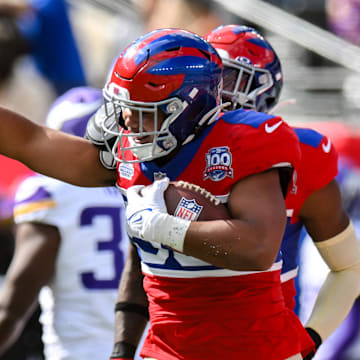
(167, 230)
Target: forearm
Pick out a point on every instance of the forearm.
(249, 241)
(131, 310)
(10, 330)
(232, 244)
(52, 153)
(334, 302)
(34, 244)
(129, 328)
(342, 286)
(12, 323)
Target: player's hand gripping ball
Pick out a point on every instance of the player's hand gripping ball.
(191, 202)
(150, 209)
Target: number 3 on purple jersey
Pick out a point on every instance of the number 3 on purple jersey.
(112, 244)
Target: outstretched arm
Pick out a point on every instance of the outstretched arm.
(131, 309)
(31, 268)
(330, 228)
(51, 152)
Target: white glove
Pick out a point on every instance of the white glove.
(147, 216)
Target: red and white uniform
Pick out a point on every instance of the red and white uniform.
(199, 311)
(318, 166)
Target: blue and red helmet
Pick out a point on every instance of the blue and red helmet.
(171, 71)
(72, 110)
(252, 71)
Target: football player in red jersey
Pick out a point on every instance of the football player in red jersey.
(213, 288)
(253, 80)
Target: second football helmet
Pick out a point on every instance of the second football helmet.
(252, 71)
(172, 76)
(72, 110)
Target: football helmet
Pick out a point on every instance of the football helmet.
(72, 110)
(171, 76)
(252, 71)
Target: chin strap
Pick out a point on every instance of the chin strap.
(212, 115)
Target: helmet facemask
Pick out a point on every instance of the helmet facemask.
(162, 141)
(243, 84)
(252, 69)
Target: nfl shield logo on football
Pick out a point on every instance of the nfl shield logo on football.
(188, 209)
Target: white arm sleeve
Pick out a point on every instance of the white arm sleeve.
(342, 286)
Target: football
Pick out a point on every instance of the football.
(191, 202)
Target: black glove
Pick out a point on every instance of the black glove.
(317, 340)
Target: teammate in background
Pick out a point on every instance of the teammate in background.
(343, 343)
(72, 239)
(253, 80)
(213, 288)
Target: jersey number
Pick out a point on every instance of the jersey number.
(112, 244)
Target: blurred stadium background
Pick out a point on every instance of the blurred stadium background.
(316, 40)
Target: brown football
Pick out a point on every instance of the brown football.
(191, 202)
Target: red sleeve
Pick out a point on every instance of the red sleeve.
(319, 165)
(272, 144)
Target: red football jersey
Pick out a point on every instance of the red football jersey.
(198, 311)
(318, 166)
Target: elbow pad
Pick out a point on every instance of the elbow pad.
(107, 160)
(342, 286)
(95, 132)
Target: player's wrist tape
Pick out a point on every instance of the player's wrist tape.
(131, 307)
(123, 350)
(167, 230)
(314, 336)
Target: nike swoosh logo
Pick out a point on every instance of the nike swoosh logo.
(327, 147)
(137, 217)
(269, 129)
